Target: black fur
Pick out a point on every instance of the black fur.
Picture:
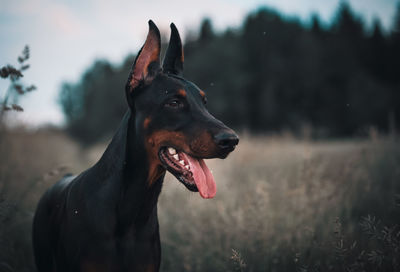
(105, 219)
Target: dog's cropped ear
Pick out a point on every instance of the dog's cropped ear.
(147, 63)
(173, 61)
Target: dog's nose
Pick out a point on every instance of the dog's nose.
(226, 140)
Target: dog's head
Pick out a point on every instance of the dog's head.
(171, 114)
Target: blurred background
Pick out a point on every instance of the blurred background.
(312, 87)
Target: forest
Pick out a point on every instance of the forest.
(271, 75)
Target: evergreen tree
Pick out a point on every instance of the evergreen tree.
(206, 31)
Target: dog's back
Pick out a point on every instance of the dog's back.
(51, 206)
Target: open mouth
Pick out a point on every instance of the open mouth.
(191, 171)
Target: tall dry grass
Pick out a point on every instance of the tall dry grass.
(29, 163)
(281, 205)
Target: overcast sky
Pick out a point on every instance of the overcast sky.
(65, 37)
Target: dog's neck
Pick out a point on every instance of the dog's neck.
(141, 195)
(126, 161)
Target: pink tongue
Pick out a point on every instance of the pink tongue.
(202, 177)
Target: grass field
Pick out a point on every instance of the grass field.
(281, 204)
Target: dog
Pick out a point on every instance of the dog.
(105, 219)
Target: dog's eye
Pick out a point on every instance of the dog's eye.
(205, 100)
(174, 104)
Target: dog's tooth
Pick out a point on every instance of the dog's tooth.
(176, 157)
(187, 167)
(182, 162)
(171, 150)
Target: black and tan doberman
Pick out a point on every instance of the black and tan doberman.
(105, 219)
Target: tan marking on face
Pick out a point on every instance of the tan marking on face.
(201, 146)
(146, 122)
(182, 92)
(150, 268)
(155, 168)
(202, 93)
(153, 144)
(92, 267)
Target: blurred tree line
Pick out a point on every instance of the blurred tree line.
(272, 74)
